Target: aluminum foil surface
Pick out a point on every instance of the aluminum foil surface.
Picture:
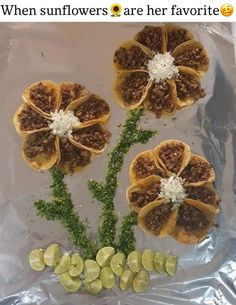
(83, 52)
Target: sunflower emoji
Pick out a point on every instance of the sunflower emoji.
(116, 10)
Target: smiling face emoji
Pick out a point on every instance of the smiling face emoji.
(226, 9)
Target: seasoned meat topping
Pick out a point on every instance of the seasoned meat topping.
(196, 170)
(194, 58)
(43, 97)
(31, 120)
(145, 167)
(176, 37)
(172, 156)
(203, 194)
(69, 93)
(151, 37)
(149, 194)
(131, 58)
(39, 143)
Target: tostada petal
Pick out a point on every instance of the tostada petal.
(143, 192)
(43, 96)
(198, 171)
(153, 37)
(131, 55)
(90, 109)
(176, 35)
(144, 165)
(131, 88)
(93, 138)
(161, 98)
(40, 150)
(26, 120)
(193, 222)
(173, 156)
(71, 91)
(188, 87)
(193, 55)
(158, 218)
(72, 158)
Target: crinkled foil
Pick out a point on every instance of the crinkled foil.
(83, 52)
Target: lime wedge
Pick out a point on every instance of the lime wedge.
(117, 263)
(141, 281)
(52, 255)
(159, 262)
(107, 277)
(91, 270)
(171, 264)
(135, 261)
(126, 280)
(104, 256)
(36, 259)
(77, 265)
(69, 284)
(93, 287)
(148, 260)
(64, 264)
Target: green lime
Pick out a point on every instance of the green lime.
(117, 263)
(148, 260)
(159, 262)
(126, 280)
(69, 284)
(52, 255)
(93, 287)
(64, 264)
(135, 261)
(36, 259)
(107, 277)
(104, 256)
(91, 270)
(141, 281)
(77, 265)
(171, 264)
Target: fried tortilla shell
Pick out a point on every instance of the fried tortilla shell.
(198, 171)
(71, 91)
(154, 38)
(173, 156)
(130, 88)
(26, 120)
(72, 158)
(193, 55)
(193, 222)
(161, 98)
(90, 109)
(131, 55)
(43, 96)
(92, 138)
(41, 150)
(176, 35)
(143, 192)
(158, 218)
(144, 165)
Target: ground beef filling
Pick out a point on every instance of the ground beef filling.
(73, 156)
(152, 37)
(203, 194)
(188, 86)
(131, 58)
(43, 97)
(172, 156)
(176, 37)
(39, 143)
(194, 58)
(133, 87)
(157, 217)
(92, 136)
(31, 120)
(145, 167)
(92, 109)
(159, 99)
(69, 93)
(191, 218)
(196, 170)
(143, 197)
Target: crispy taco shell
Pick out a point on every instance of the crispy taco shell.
(164, 147)
(142, 186)
(43, 96)
(175, 30)
(71, 91)
(164, 229)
